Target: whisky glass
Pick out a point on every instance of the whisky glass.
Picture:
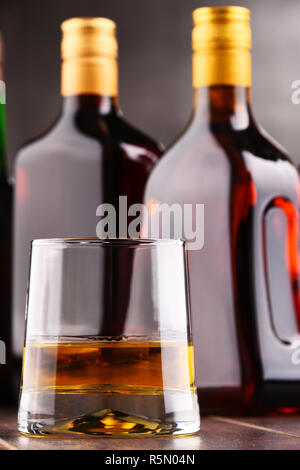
(108, 349)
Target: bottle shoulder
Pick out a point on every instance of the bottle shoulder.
(224, 141)
(81, 133)
(269, 146)
(206, 157)
(128, 132)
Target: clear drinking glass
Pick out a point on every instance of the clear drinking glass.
(108, 347)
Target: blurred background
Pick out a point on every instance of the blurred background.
(155, 63)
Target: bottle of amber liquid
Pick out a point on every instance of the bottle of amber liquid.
(90, 156)
(244, 282)
(5, 255)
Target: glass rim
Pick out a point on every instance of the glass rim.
(90, 241)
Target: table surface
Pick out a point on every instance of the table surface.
(217, 433)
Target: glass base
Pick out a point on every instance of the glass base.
(141, 416)
(107, 423)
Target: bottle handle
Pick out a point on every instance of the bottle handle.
(281, 264)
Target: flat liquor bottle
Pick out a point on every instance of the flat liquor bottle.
(90, 156)
(5, 255)
(244, 282)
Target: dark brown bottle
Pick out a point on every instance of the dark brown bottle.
(90, 156)
(245, 280)
(5, 256)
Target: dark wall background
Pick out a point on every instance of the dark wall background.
(155, 63)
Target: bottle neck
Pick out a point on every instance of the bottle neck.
(90, 103)
(96, 76)
(90, 84)
(222, 80)
(226, 104)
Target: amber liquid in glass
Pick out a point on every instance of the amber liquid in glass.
(90, 373)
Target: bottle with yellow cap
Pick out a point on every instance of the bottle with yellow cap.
(244, 281)
(90, 156)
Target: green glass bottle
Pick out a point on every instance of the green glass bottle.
(5, 255)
